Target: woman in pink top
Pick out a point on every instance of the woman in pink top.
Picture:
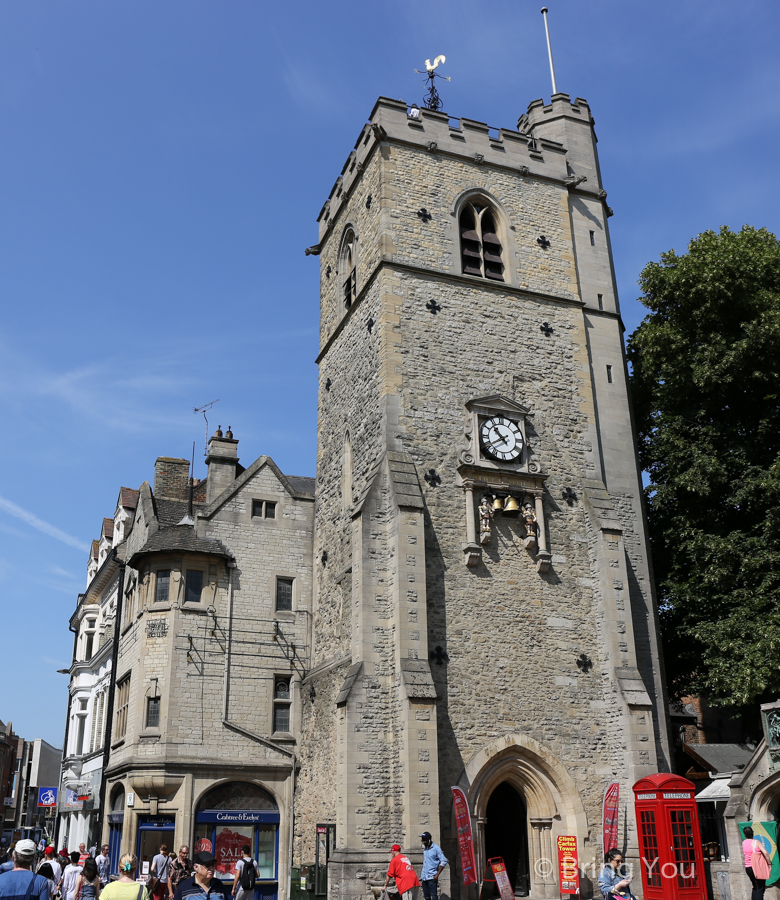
(750, 848)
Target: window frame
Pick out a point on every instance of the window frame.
(157, 573)
(480, 206)
(282, 703)
(347, 267)
(264, 504)
(203, 583)
(284, 579)
(157, 702)
(122, 690)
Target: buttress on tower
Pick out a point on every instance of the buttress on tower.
(484, 614)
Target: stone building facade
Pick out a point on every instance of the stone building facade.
(469, 601)
(483, 613)
(212, 631)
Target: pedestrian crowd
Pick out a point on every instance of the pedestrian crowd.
(37, 872)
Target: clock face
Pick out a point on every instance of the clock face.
(501, 439)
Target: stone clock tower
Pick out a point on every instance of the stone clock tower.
(484, 613)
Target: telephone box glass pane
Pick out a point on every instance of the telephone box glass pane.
(684, 848)
(650, 863)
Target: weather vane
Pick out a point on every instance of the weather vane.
(432, 98)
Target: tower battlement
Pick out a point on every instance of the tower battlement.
(537, 149)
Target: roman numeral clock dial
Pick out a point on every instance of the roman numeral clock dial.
(501, 439)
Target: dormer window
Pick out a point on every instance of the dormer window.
(480, 247)
(348, 267)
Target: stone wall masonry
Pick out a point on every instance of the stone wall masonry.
(193, 655)
(353, 367)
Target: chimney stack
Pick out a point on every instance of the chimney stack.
(222, 461)
(170, 478)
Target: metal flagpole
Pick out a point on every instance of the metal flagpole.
(549, 50)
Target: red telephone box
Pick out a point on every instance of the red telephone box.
(670, 853)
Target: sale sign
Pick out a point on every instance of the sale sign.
(568, 868)
(203, 846)
(610, 815)
(228, 849)
(465, 838)
(502, 879)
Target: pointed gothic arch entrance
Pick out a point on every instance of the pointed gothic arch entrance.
(506, 835)
(518, 783)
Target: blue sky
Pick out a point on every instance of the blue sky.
(162, 165)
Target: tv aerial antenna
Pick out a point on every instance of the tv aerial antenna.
(432, 98)
(202, 410)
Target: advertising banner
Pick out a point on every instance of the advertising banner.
(47, 796)
(568, 868)
(203, 845)
(610, 815)
(766, 833)
(502, 879)
(227, 849)
(465, 837)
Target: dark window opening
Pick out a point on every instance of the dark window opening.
(601, 301)
(88, 646)
(162, 590)
(348, 268)
(153, 712)
(480, 247)
(593, 238)
(193, 586)
(609, 374)
(264, 509)
(284, 594)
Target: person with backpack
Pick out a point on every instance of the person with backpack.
(88, 882)
(161, 867)
(21, 883)
(246, 876)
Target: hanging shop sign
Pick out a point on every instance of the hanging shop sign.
(47, 796)
(465, 838)
(568, 867)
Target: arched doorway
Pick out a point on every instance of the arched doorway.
(506, 835)
(237, 814)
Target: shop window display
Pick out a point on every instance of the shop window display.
(235, 814)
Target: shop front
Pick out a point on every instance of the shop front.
(236, 814)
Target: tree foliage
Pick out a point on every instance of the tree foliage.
(706, 388)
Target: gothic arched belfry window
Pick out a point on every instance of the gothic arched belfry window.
(348, 267)
(480, 247)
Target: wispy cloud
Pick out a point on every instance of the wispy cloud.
(34, 522)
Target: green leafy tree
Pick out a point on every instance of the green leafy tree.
(706, 388)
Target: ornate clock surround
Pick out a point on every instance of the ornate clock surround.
(521, 478)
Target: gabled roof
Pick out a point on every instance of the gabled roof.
(303, 484)
(248, 474)
(94, 549)
(107, 531)
(128, 497)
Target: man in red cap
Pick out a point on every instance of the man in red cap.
(51, 859)
(406, 879)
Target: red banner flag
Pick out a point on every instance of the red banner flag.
(568, 866)
(610, 815)
(465, 838)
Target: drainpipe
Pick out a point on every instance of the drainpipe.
(250, 734)
(111, 686)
